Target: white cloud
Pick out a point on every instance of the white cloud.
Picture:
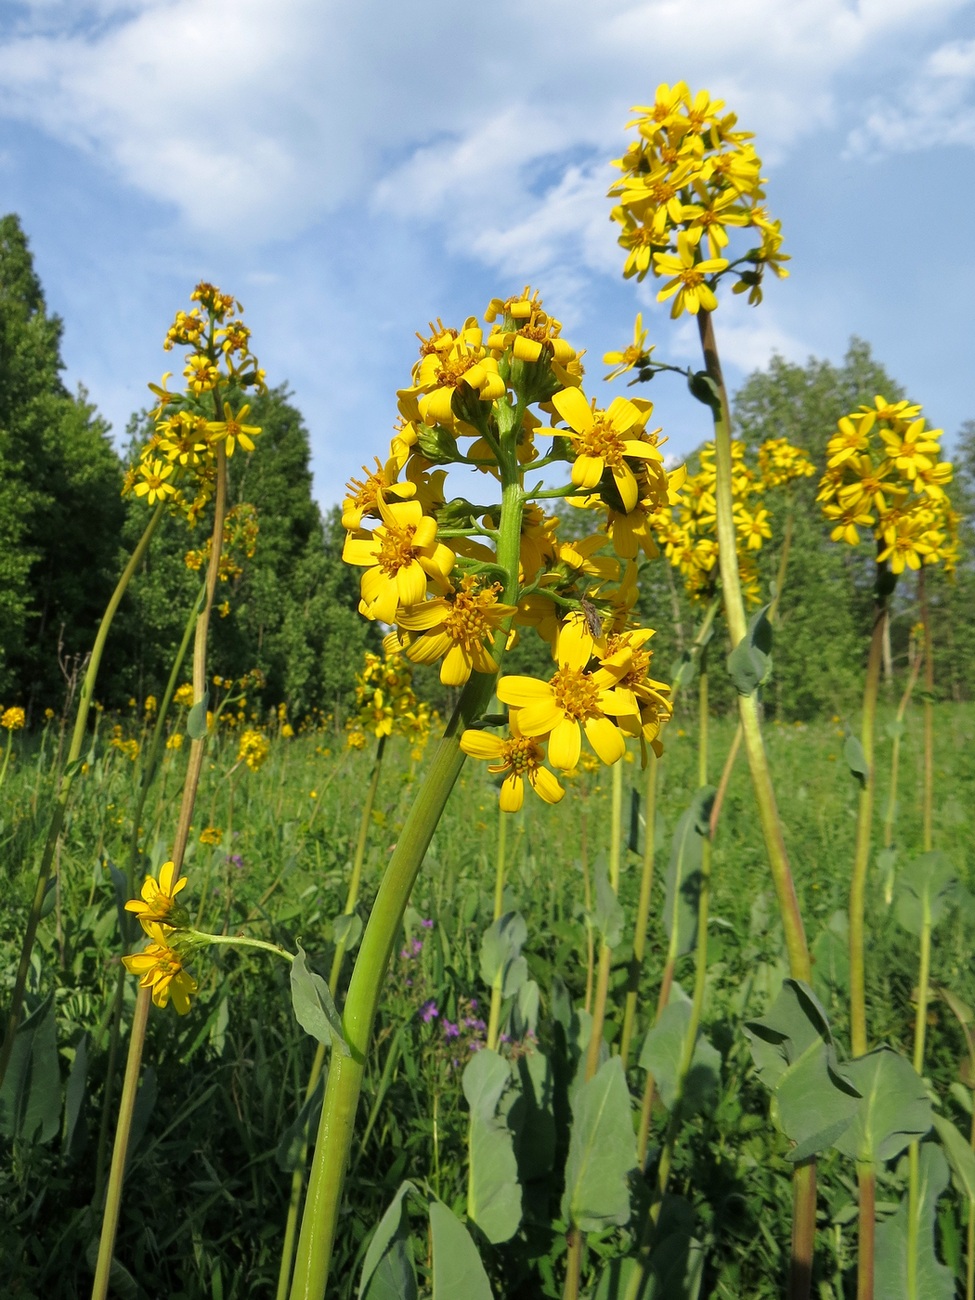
(255, 120)
(748, 339)
(937, 107)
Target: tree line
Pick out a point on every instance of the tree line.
(65, 532)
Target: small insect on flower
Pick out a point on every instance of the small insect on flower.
(593, 621)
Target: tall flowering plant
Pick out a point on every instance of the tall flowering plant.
(460, 568)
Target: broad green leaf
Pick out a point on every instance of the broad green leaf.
(683, 882)
(74, 1096)
(602, 1152)
(705, 389)
(856, 760)
(793, 1051)
(458, 1273)
(529, 1112)
(524, 1011)
(893, 1110)
(30, 1101)
(926, 889)
(196, 722)
(932, 1281)
(501, 959)
(314, 1007)
(831, 956)
(388, 1272)
(959, 1153)
(609, 916)
(661, 1054)
(493, 1190)
(750, 663)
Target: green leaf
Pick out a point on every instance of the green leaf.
(856, 760)
(347, 930)
(959, 1153)
(531, 1115)
(683, 883)
(674, 1271)
(196, 722)
(895, 728)
(831, 956)
(458, 1273)
(74, 1096)
(313, 1005)
(388, 1272)
(793, 1050)
(661, 1054)
(926, 889)
(893, 1110)
(602, 1152)
(30, 1101)
(609, 916)
(932, 1281)
(704, 388)
(750, 663)
(493, 1190)
(501, 959)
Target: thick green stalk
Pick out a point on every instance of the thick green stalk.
(113, 1200)
(323, 1201)
(927, 814)
(861, 857)
(804, 1178)
(867, 1183)
(605, 951)
(64, 788)
(352, 897)
(913, 1151)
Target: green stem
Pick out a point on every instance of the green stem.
(137, 1038)
(927, 818)
(861, 858)
(324, 1198)
(113, 1201)
(804, 1184)
(64, 788)
(867, 1182)
(895, 751)
(913, 1152)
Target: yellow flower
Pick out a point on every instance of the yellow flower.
(175, 741)
(399, 557)
(689, 274)
(574, 700)
(12, 718)
(254, 749)
(201, 375)
(233, 430)
(630, 356)
(458, 628)
(211, 835)
(601, 442)
(152, 484)
(161, 968)
(184, 696)
(517, 757)
(159, 899)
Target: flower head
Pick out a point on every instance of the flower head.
(162, 970)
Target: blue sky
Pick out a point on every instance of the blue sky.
(352, 171)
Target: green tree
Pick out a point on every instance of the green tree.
(292, 611)
(60, 512)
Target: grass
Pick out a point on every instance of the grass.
(209, 1175)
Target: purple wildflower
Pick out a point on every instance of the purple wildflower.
(427, 924)
(429, 1011)
(450, 1030)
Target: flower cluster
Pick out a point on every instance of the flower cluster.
(240, 530)
(457, 578)
(386, 703)
(883, 474)
(12, 719)
(689, 180)
(687, 532)
(253, 749)
(178, 463)
(162, 964)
